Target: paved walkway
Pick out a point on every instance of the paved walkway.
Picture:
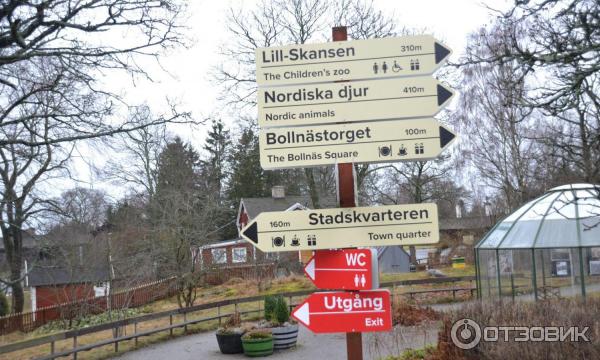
(310, 346)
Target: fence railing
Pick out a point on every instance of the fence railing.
(130, 298)
(135, 321)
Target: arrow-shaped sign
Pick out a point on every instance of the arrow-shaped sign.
(349, 269)
(349, 60)
(413, 224)
(380, 141)
(331, 312)
(351, 102)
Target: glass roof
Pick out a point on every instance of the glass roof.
(565, 216)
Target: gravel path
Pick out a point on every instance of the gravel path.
(310, 346)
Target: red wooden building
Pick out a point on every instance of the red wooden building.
(237, 257)
(52, 285)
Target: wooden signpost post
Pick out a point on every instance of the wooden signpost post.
(341, 103)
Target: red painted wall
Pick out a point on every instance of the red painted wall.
(53, 295)
(243, 219)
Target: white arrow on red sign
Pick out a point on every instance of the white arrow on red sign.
(332, 312)
(350, 269)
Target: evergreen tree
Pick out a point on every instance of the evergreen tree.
(217, 147)
(182, 213)
(214, 173)
(247, 177)
(177, 168)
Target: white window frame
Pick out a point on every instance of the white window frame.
(222, 259)
(234, 259)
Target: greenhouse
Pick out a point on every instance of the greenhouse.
(548, 248)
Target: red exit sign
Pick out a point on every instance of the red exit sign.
(332, 312)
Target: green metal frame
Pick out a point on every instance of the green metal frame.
(498, 274)
(477, 274)
(534, 277)
(512, 284)
(578, 222)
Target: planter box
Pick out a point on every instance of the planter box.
(230, 343)
(257, 347)
(285, 337)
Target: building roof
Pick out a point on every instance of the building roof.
(223, 243)
(255, 206)
(43, 275)
(30, 240)
(564, 217)
(382, 249)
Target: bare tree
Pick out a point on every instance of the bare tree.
(183, 222)
(82, 206)
(138, 151)
(554, 44)
(411, 182)
(498, 127)
(65, 36)
(51, 53)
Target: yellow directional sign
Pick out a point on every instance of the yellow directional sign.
(349, 60)
(351, 102)
(381, 141)
(413, 224)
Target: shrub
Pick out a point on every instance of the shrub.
(4, 308)
(234, 320)
(409, 315)
(282, 311)
(270, 303)
(572, 312)
(254, 335)
(230, 331)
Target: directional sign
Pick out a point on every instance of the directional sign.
(349, 60)
(413, 224)
(350, 269)
(331, 312)
(351, 102)
(381, 141)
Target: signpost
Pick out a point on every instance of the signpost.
(413, 224)
(349, 60)
(348, 269)
(330, 312)
(367, 115)
(381, 141)
(350, 102)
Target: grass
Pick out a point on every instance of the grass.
(468, 270)
(108, 350)
(411, 354)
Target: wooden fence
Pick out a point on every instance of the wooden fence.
(130, 298)
(186, 312)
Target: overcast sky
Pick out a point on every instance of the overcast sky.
(188, 78)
